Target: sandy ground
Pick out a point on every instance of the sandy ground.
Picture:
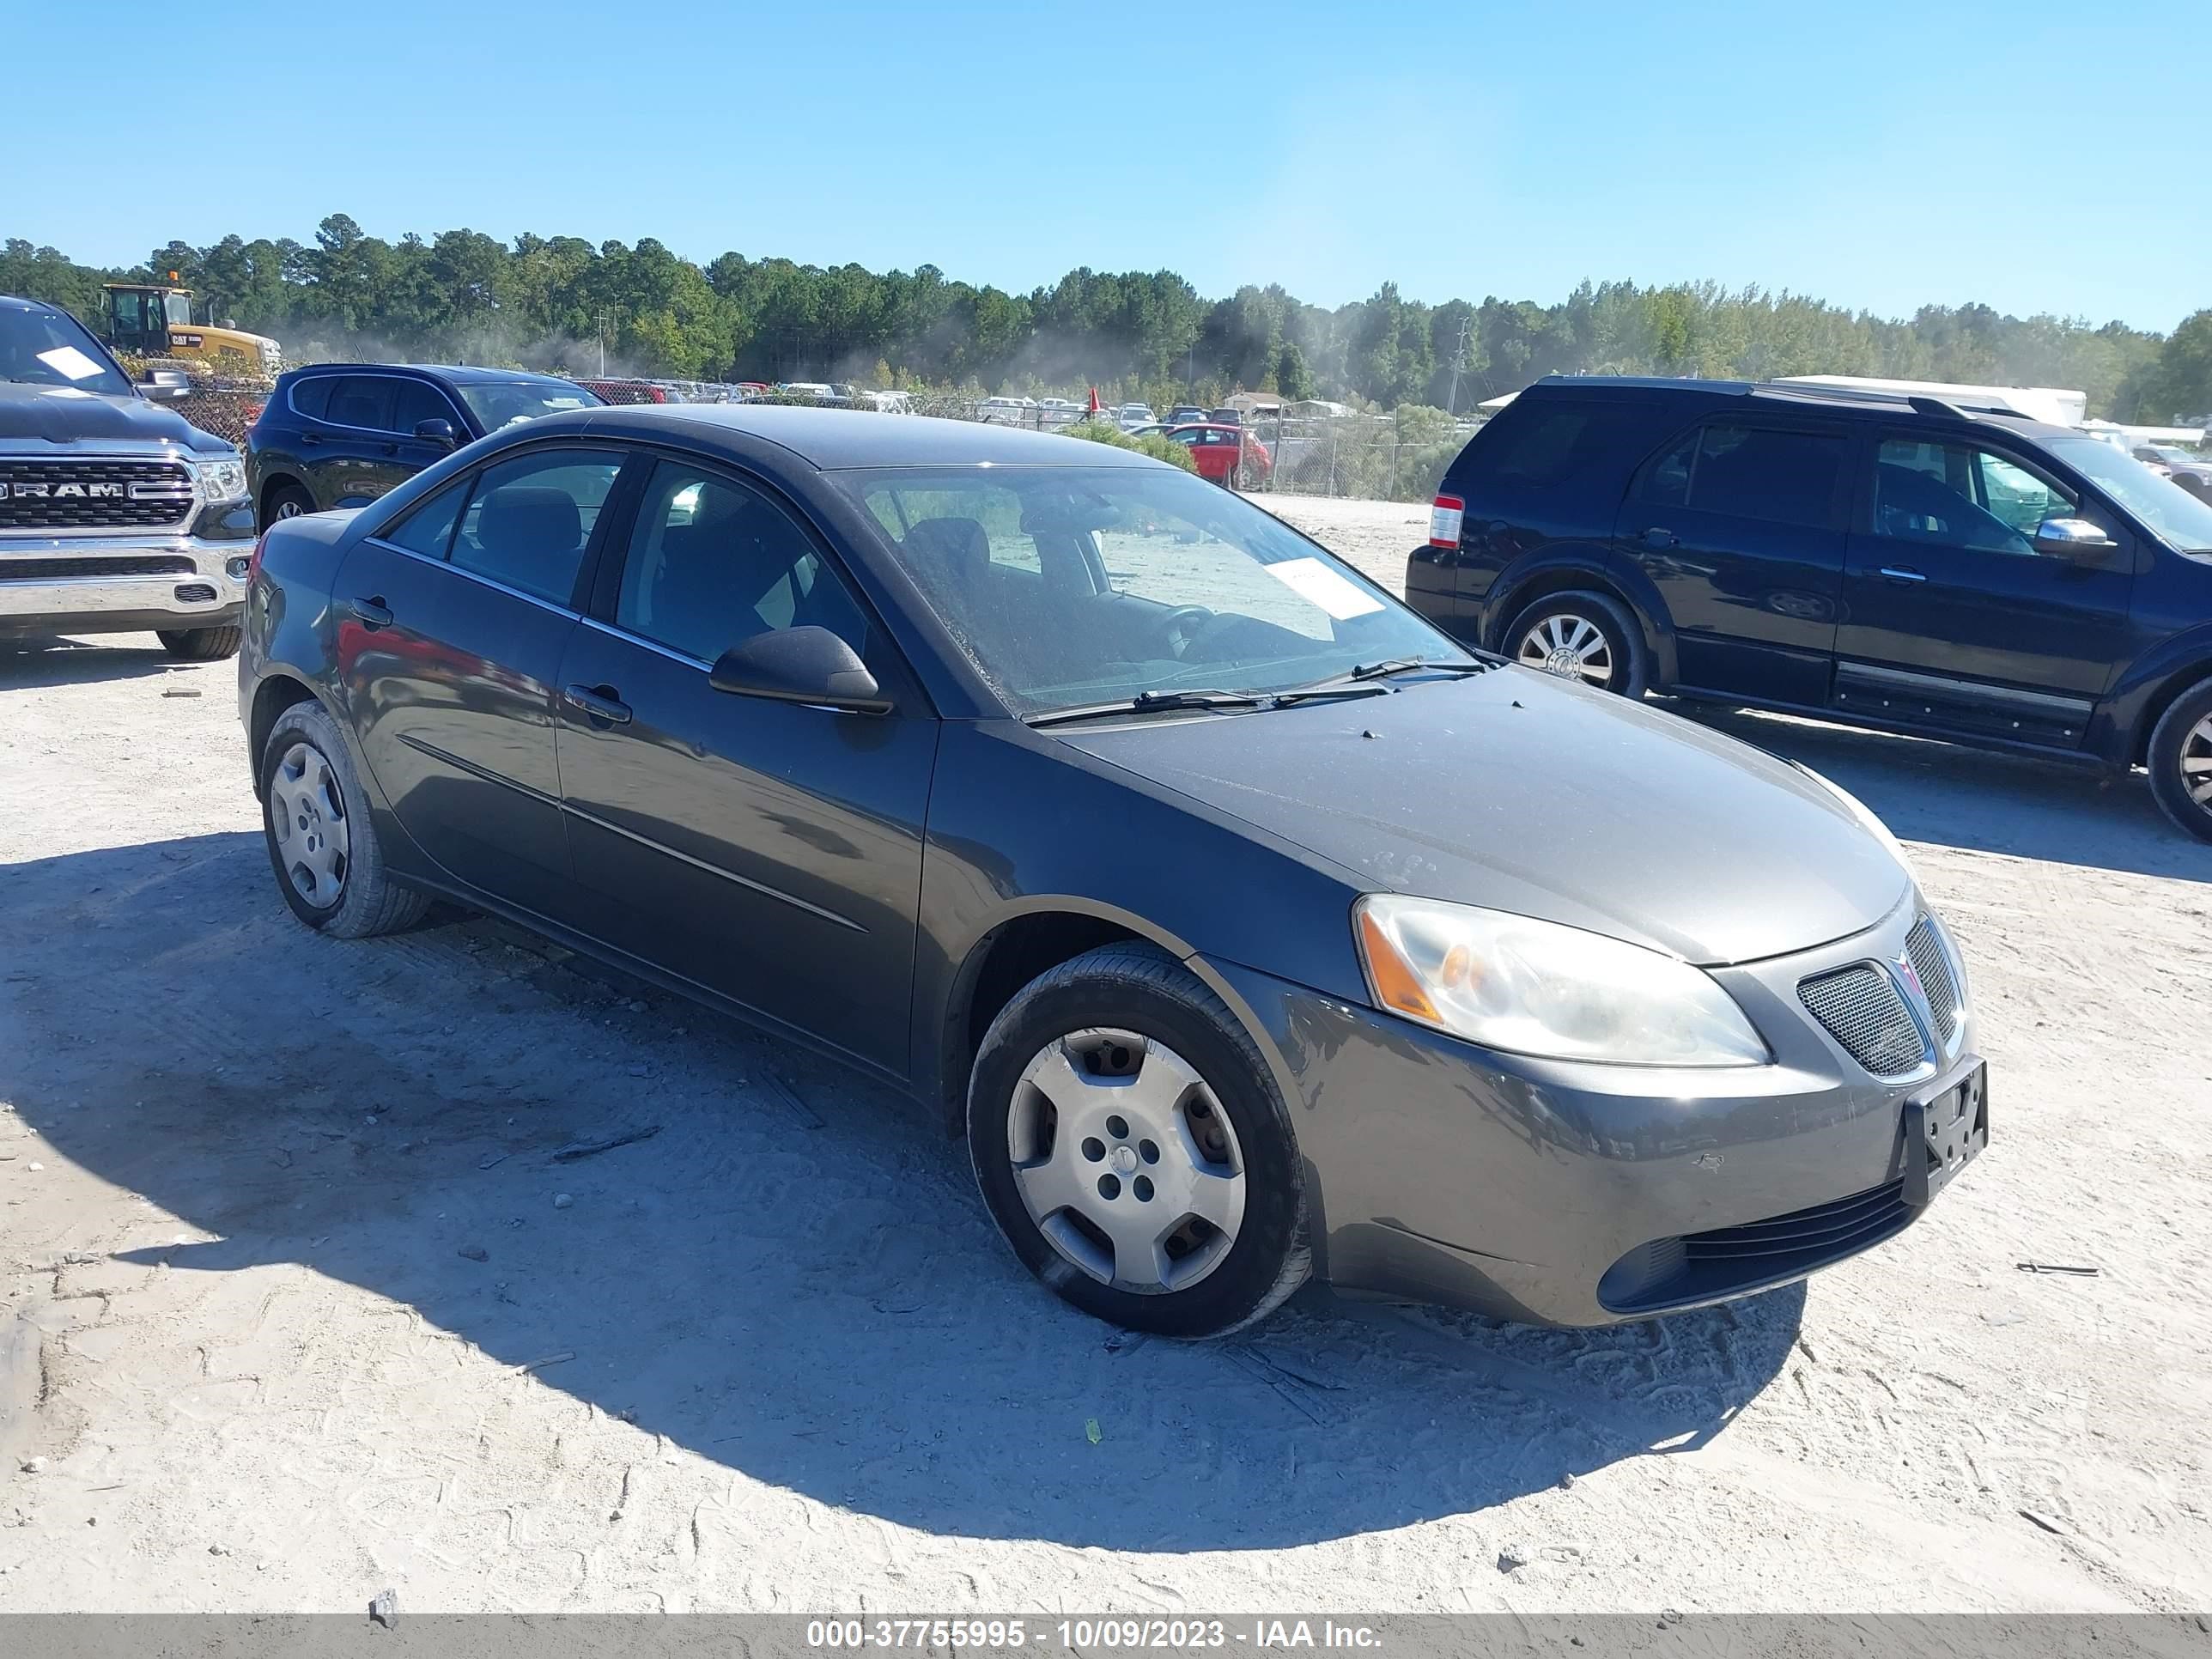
(299, 1313)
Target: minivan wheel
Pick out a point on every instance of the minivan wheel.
(322, 844)
(2180, 760)
(1589, 638)
(285, 501)
(1134, 1150)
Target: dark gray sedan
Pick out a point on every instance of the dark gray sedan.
(1248, 927)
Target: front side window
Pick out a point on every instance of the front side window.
(1144, 580)
(1953, 495)
(529, 519)
(1773, 473)
(712, 562)
(361, 400)
(414, 402)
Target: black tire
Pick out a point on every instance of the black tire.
(286, 500)
(1627, 664)
(367, 901)
(1137, 988)
(2182, 740)
(201, 644)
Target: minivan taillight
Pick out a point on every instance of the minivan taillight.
(1444, 520)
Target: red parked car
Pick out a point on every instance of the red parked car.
(1227, 454)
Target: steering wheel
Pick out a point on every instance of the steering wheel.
(1181, 626)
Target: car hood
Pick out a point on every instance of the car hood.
(1521, 793)
(63, 415)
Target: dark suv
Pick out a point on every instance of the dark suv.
(338, 434)
(1899, 563)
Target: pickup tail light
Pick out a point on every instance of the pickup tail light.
(1445, 519)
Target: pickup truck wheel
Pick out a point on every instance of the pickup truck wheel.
(322, 840)
(2180, 759)
(285, 501)
(200, 644)
(1132, 1148)
(1587, 637)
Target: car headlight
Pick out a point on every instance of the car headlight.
(1536, 988)
(1859, 810)
(223, 480)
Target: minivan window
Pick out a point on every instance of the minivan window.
(414, 402)
(1780, 475)
(361, 400)
(530, 518)
(2169, 511)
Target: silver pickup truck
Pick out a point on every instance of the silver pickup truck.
(116, 514)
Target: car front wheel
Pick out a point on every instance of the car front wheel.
(1131, 1147)
(322, 842)
(2180, 760)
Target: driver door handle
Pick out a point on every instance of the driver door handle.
(601, 702)
(1904, 574)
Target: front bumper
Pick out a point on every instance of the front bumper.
(124, 582)
(1445, 1173)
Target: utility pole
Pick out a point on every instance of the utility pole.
(1459, 362)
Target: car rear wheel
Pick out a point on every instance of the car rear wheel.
(322, 843)
(1589, 638)
(200, 644)
(2180, 760)
(1132, 1148)
(285, 501)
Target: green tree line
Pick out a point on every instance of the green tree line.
(556, 302)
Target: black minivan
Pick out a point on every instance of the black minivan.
(1897, 562)
(340, 434)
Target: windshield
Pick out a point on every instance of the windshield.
(1072, 586)
(502, 403)
(2169, 511)
(46, 348)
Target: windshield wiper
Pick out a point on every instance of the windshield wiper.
(1148, 702)
(1390, 665)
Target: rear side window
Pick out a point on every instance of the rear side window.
(530, 518)
(311, 397)
(361, 400)
(1548, 443)
(1751, 472)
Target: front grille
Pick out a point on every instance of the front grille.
(71, 493)
(1704, 1267)
(60, 570)
(1934, 970)
(1862, 1009)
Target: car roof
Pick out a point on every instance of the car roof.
(830, 440)
(1868, 402)
(457, 374)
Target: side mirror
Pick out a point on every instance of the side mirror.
(436, 432)
(2082, 540)
(800, 665)
(165, 386)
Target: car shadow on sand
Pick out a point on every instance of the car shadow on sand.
(1979, 799)
(30, 660)
(793, 1276)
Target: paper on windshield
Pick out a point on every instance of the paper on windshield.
(69, 361)
(1313, 581)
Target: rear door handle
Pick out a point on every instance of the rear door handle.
(600, 702)
(311, 438)
(372, 613)
(1901, 573)
(1657, 537)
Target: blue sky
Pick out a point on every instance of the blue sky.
(1879, 155)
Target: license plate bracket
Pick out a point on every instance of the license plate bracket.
(1944, 1131)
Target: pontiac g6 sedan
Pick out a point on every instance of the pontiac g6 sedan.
(1248, 927)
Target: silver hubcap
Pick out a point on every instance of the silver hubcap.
(2197, 763)
(307, 814)
(1126, 1161)
(1573, 647)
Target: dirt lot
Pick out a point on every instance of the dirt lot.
(302, 1314)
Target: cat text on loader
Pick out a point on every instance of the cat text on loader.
(152, 320)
